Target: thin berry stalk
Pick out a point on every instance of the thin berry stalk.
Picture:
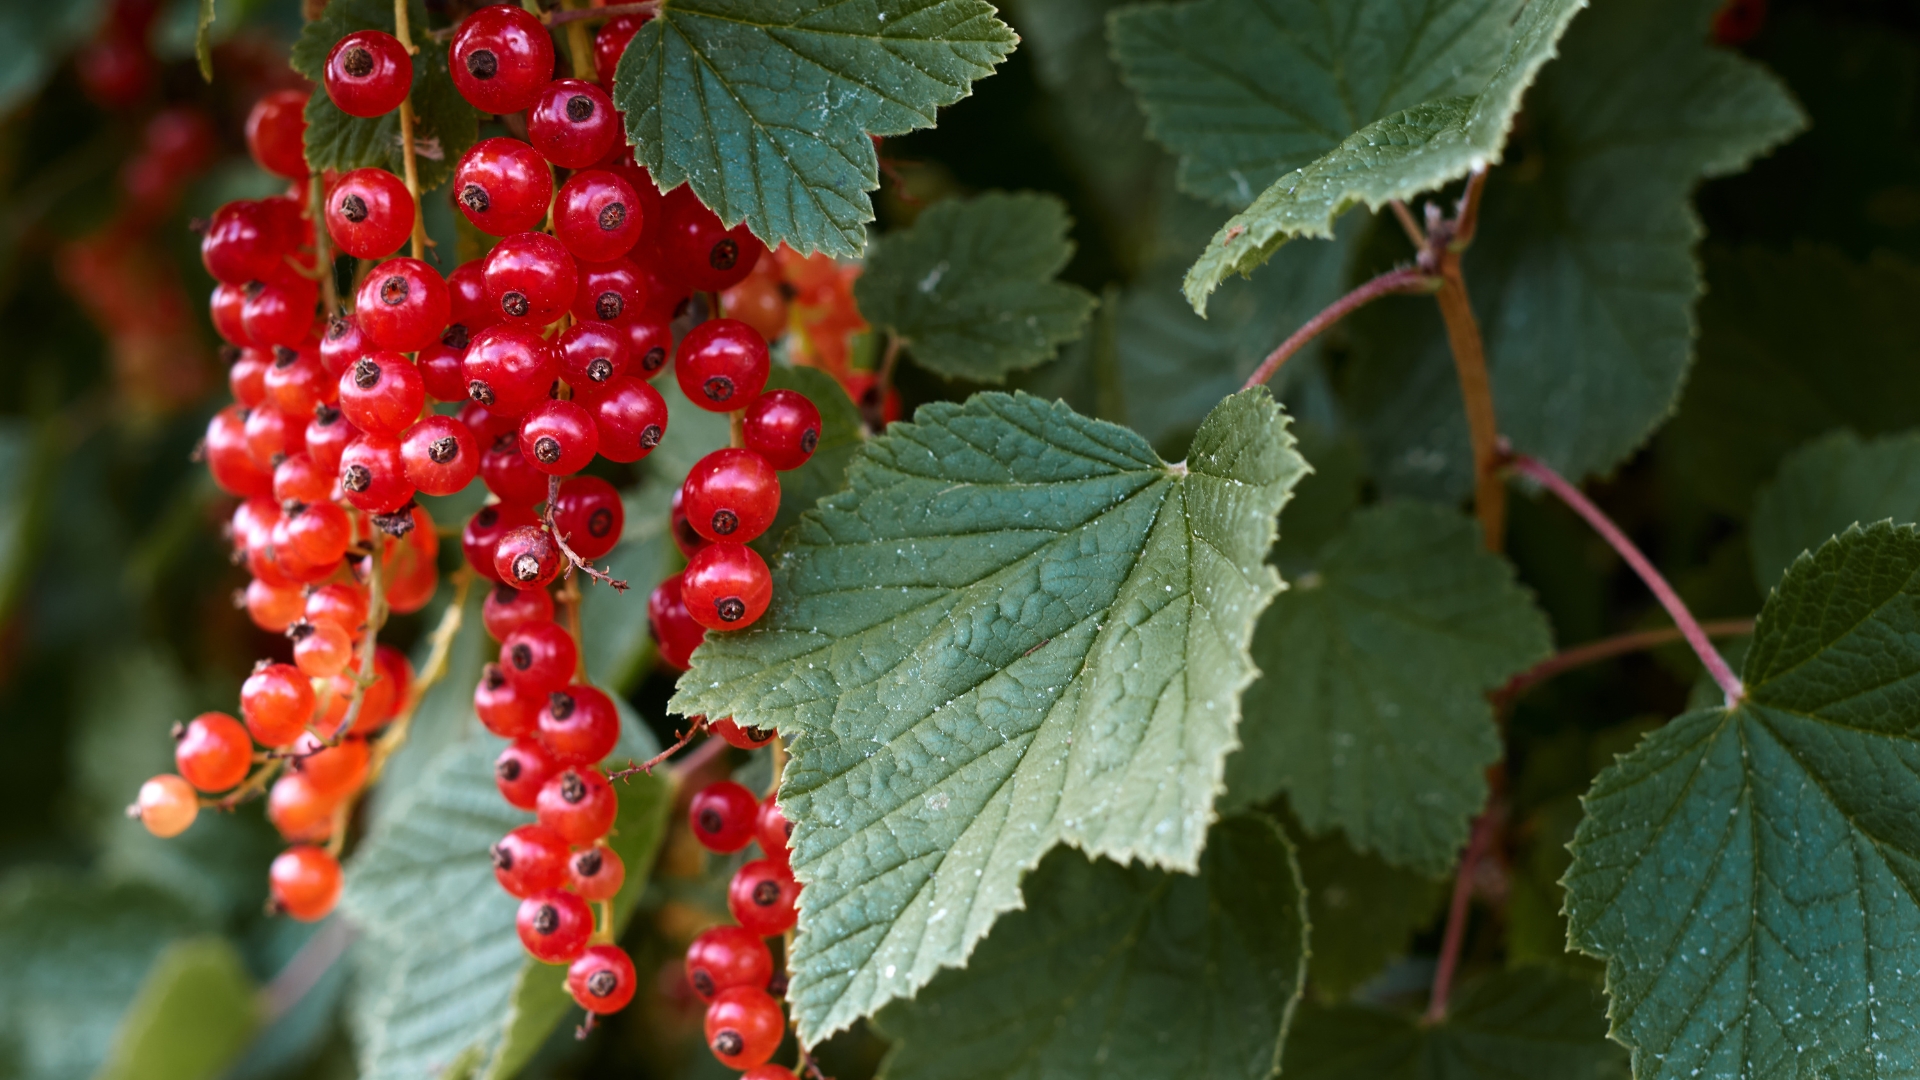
(407, 153)
(1409, 279)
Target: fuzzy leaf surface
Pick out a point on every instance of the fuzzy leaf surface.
(1827, 485)
(1749, 875)
(766, 106)
(1016, 627)
(1124, 971)
(1363, 910)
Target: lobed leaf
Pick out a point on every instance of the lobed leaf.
(1827, 485)
(192, 1017)
(1363, 910)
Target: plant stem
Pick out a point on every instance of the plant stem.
(1409, 279)
(376, 617)
(412, 165)
(557, 18)
(322, 250)
(1689, 628)
(431, 672)
(699, 725)
(574, 561)
(1470, 364)
(1606, 649)
(578, 46)
(1456, 932)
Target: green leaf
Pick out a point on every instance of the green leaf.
(1372, 133)
(1793, 345)
(1583, 274)
(1124, 971)
(615, 636)
(193, 1016)
(1525, 1023)
(1016, 627)
(203, 39)
(766, 107)
(1748, 874)
(826, 471)
(444, 124)
(1363, 911)
(1827, 485)
(1372, 713)
(970, 287)
(34, 39)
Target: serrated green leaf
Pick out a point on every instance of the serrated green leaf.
(192, 1017)
(1372, 713)
(1363, 910)
(203, 39)
(1583, 273)
(1749, 874)
(1016, 627)
(444, 124)
(970, 286)
(826, 471)
(1527, 1023)
(1124, 971)
(765, 107)
(1462, 81)
(1824, 487)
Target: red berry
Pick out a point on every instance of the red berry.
(589, 516)
(224, 306)
(501, 59)
(279, 312)
(527, 558)
(702, 252)
(510, 370)
(762, 897)
(277, 132)
(213, 751)
(341, 604)
(373, 475)
(402, 305)
(722, 815)
(332, 771)
(326, 438)
(342, 344)
(510, 475)
(559, 437)
(596, 873)
(504, 710)
(602, 980)
(521, 771)
(579, 804)
(553, 925)
(597, 216)
(443, 365)
(531, 278)
(320, 650)
(611, 43)
(731, 495)
(610, 291)
(369, 213)
(727, 587)
(317, 532)
(296, 381)
(631, 418)
(578, 725)
(245, 241)
(783, 426)
(773, 832)
(530, 859)
(722, 365)
(684, 537)
(486, 425)
(299, 811)
(592, 355)
(674, 629)
(440, 454)
(726, 957)
(230, 459)
(503, 186)
(507, 609)
(744, 1027)
(539, 658)
(649, 342)
(272, 608)
(382, 394)
(746, 738)
(297, 480)
(276, 701)
(467, 304)
(484, 530)
(305, 882)
(574, 124)
(167, 805)
(368, 74)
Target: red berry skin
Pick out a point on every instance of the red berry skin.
(297, 480)
(574, 124)
(443, 365)
(487, 426)
(727, 587)
(333, 771)
(230, 460)
(597, 216)
(279, 312)
(610, 44)
(213, 752)
(578, 725)
(510, 475)
(318, 532)
(507, 609)
(484, 530)
(440, 454)
(521, 771)
(684, 537)
(602, 981)
(295, 381)
(702, 252)
(531, 859)
(783, 426)
(744, 1027)
(503, 186)
(369, 213)
(382, 394)
(277, 702)
(731, 495)
(589, 516)
(341, 604)
(252, 522)
(579, 804)
(305, 882)
(224, 306)
(527, 558)
(649, 343)
(272, 435)
(592, 354)
(610, 292)
(277, 132)
(596, 873)
(373, 475)
(501, 59)
(762, 896)
(467, 298)
(402, 305)
(245, 241)
(342, 344)
(326, 437)
(531, 278)
(368, 74)
(553, 925)
(674, 629)
(272, 608)
(631, 418)
(726, 957)
(298, 812)
(504, 710)
(539, 658)
(722, 816)
(774, 832)
(510, 369)
(559, 437)
(745, 738)
(722, 365)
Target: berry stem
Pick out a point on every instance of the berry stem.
(1408, 279)
(699, 724)
(1606, 649)
(407, 153)
(578, 45)
(611, 11)
(1408, 225)
(376, 617)
(250, 789)
(439, 652)
(1689, 628)
(737, 429)
(574, 561)
(322, 249)
(569, 600)
(1456, 932)
(1446, 240)
(873, 403)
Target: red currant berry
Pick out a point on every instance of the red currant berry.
(166, 805)
(592, 355)
(510, 370)
(559, 437)
(341, 344)
(783, 427)
(722, 815)
(726, 957)
(762, 897)
(382, 394)
(298, 811)
(744, 1027)
(317, 533)
(527, 558)
(596, 873)
(305, 882)
(245, 241)
(298, 480)
(373, 475)
(279, 312)
(252, 522)
(272, 608)
(731, 495)
(443, 365)
(230, 459)
(224, 306)
(597, 216)
(339, 603)
(674, 629)
(501, 59)
(579, 804)
(602, 981)
(507, 609)
(631, 418)
(333, 771)
(510, 475)
(503, 186)
(213, 751)
(745, 738)
(440, 454)
(521, 771)
(296, 381)
(727, 586)
(722, 365)
(504, 710)
(611, 43)
(467, 301)
(277, 133)
(649, 343)
(531, 278)
(486, 426)
(368, 74)
(539, 658)
(574, 124)
(684, 537)
(589, 515)
(773, 832)
(553, 925)
(326, 438)
(578, 725)
(276, 701)
(369, 213)
(484, 530)
(320, 650)
(530, 859)
(610, 291)
(702, 252)
(402, 305)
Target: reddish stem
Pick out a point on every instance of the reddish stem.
(1606, 649)
(1410, 279)
(575, 562)
(647, 766)
(1456, 932)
